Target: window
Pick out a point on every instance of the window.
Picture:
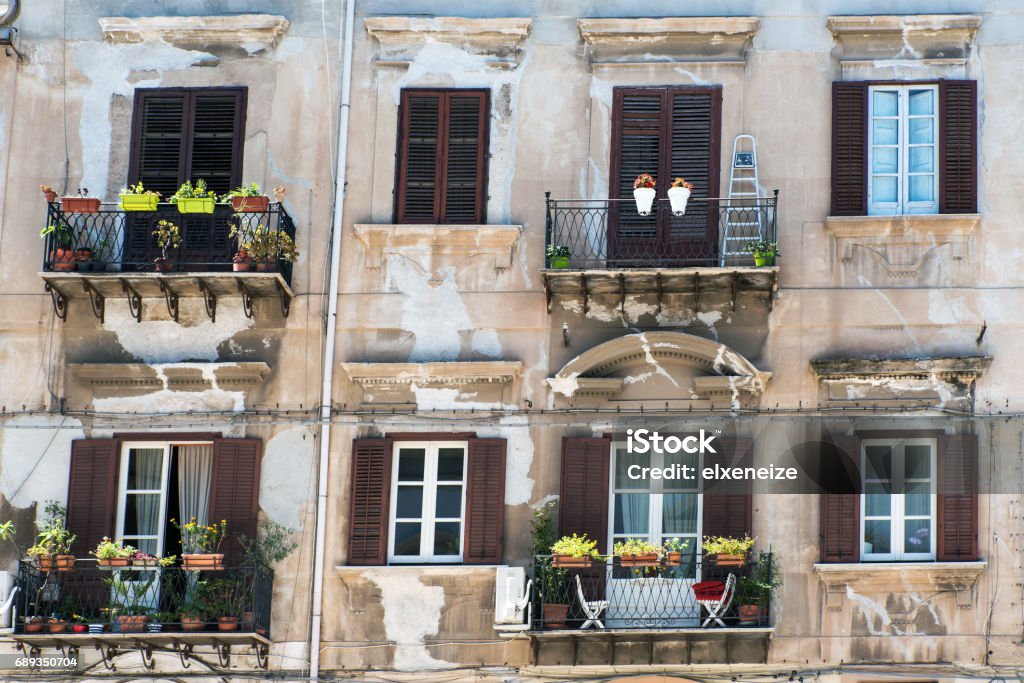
(899, 499)
(442, 156)
(142, 498)
(429, 502)
(903, 150)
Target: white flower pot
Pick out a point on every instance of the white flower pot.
(678, 196)
(644, 197)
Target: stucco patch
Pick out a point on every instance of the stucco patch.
(286, 476)
(166, 400)
(412, 611)
(165, 341)
(36, 457)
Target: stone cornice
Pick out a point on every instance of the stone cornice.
(433, 374)
(669, 39)
(939, 225)
(251, 32)
(904, 37)
(497, 39)
(173, 376)
(496, 241)
(868, 577)
(950, 368)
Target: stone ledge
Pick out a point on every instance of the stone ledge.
(907, 37)
(945, 368)
(172, 376)
(958, 577)
(496, 241)
(432, 374)
(939, 225)
(251, 32)
(669, 39)
(497, 39)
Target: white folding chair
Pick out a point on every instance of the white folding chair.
(717, 607)
(591, 608)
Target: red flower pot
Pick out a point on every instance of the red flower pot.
(80, 628)
(63, 260)
(80, 204)
(251, 204)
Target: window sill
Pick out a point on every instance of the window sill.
(418, 568)
(841, 579)
(938, 224)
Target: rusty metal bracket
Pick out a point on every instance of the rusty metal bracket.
(696, 291)
(247, 299)
(171, 298)
(108, 652)
(622, 293)
(735, 287)
(146, 650)
(184, 651)
(134, 300)
(262, 655)
(97, 300)
(657, 283)
(224, 654)
(586, 294)
(209, 300)
(60, 302)
(286, 298)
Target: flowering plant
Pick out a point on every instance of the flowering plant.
(575, 546)
(166, 235)
(682, 182)
(726, 545)
(636, 547)
(644, 180)
(199, 538)
(675, 545)
(137, 189)
(111, 550)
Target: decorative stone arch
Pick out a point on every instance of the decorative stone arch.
(697, 373)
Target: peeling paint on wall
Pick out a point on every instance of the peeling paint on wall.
(286, 476)
(169, 401)
(36, 461)
(412, 611)
(515, 429)
(165, 341)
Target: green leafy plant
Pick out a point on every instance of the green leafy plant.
(62, 233)
(54, 537)
(549, 579)
(575, 546)
(263, 244)
(763, 248)
(273, 543)
(137, 189)
(250, 190)
(222, 597)
(675, 545)
(765, 578)
(167, 561)
(199, 538)
(557, 251)
(112, 550)
(636, 547)
(166, 235)
(727, 545)
(190, 191)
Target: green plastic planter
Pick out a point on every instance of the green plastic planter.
(196, 205)
(762, 261)
(139, 202)
(560, 262)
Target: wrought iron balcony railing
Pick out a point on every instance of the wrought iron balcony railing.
(608, 595)
(94, 600)
(610, 233)
(113, 240)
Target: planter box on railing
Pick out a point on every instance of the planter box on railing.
(80, 204)
(139, 202)
(196, 205)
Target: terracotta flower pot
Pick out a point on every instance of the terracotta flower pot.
(162, 265)
(47, 562)
(57, 626)
(227, 623)
(34, 626)
(80, 204)
(51, 196)
(192, 623)
(203, 561)
(674, 558)
(251, 204)
(132, 623)
(241, 266)
(266, 266)
(65, 563)
(723, 560)
(568, 561)
(63, 259)
(749, 615)
(645, 560)
(114, 562)
(555, 616)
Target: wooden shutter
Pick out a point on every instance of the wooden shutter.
(370, 508)
(849, 148)
(159, 139)
(442, 156)
(217, 137)
(234, 491)
(584, 489)
(485, 502)
(92, 492)
(727, 505)
(839, 527)
(638, 136)
(958, 146)
(958, 498)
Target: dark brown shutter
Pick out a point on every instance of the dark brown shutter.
(218, 136)
(849, 148)
(92, 492)
(727, 505)
(958, 498)
(839, 527)
(583, 504)
(958, 146)
(442, 156)
(159, 137)
(485, 502)
(370, 508)
(638, 132)
(234, 491)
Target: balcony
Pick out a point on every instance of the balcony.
(112, 254)
(143, 609)
(610, 614)
(616, 252)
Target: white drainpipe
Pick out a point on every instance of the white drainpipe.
(320, 525)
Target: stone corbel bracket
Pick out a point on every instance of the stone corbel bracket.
(498, 40)
(921, 37)
(959, 578)
(172, 376)
(250, 32)
(429, 241)
(669, 39)
(475, 383)
(948, 381)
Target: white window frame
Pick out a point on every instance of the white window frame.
(903, 205)
(429, 503)
(897, 503)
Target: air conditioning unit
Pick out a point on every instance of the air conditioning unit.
(512, 609)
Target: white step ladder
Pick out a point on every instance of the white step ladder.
(744, 219)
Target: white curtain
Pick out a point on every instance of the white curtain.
(194, 468)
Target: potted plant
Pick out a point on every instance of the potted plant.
(35, 624)
(161, 619)
(273, 543)
(52, 550)
(111, 554)
(726, 551)
(573, 551)
(248, 198)
(644, 193)
(49, 193)
(754, 592)
(135, 619)
(265, 247)
(78, 624)
(137, 198)
(241, 262)
(549, 581)
(62, 255)
(678, 195)
(764, 252)
(194, 198)
(83, 259)
(200, 542)
(222, 599)
(637, 553)
(558, 256)
(80, 203)
(141, 559)
(673, 550)
(56, 625)
(166, 235)
(193, 616)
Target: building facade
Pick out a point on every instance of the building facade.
(449, 369)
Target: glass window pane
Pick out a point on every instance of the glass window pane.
(631, 513)
(449, 464)
(877, 536)
(885, 131)
(922, 131)
(922, 159)
(410, 502)
(886, 102)
(146, 545)
(918, 499)
(449, 501)
(922, 188)
(411, 464)
(918, 536)
(679, 513)
(922, 102)
(145, 468)
(884, 189)
(877, 500)
(446, 538)
(142, 514)
(885, 160)
(918, 462)
(623, 461)
(879, 462)
(407, 538)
